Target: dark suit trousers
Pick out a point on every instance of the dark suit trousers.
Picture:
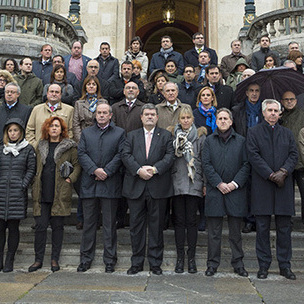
(184, 217)
(147, 211)
(283, 241)
(91, 210)
(215, 226)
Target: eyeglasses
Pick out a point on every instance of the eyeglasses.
(2, 80)
(131, 88)
(10, 92)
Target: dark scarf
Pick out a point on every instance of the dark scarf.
(225, 135)
(210, 116)
(254, 112)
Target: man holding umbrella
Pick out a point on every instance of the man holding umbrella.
(246, 115)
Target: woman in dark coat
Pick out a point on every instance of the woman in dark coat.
(226, 168)
(17, 170)
(157, 96)
(188, 185)
(52, 188)
(204, 114)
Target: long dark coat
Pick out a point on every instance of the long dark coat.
(270, 149)
(101, 149)
(225, 162)
(16, 175)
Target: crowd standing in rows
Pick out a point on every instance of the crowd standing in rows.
(150, 136)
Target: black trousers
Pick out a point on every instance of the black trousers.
(13, 236)
(215, 226)
(57, 225)
(146, 211)
(91, 211)
(283, 240)
(184, 209)
(299, 177)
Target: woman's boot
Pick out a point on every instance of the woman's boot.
(9, 262)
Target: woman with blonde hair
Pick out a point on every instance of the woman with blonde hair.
(17, 170)
(188, 185)
(204, 114)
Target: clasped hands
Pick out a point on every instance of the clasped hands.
(278, 177)
(146, 172)
(226, 187)
(100, 174)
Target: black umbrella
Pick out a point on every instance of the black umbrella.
(273, 82)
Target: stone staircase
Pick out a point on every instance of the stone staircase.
(72, 238)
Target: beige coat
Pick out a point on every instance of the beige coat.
(65, 151)
(82, 117)
(166, 116)
(40, 113)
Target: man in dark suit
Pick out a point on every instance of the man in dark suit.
(191, 56)
(148, 156)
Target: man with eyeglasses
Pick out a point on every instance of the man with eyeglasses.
(189, 87)
(76, 62)
(11, 107)
(191, 56)
(293, 119)
(92, 70)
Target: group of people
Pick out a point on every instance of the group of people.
(124, 140)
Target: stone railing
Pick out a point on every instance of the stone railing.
(282, 26)
(24, 30)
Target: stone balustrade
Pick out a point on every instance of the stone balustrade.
(282, 26)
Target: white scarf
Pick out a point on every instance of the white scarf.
(15, 148)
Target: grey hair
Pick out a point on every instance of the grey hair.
(12, 84)
(170, 82)
(224, 110)
(148, 106)
(270, 101)
(289, 61)
(104, 102)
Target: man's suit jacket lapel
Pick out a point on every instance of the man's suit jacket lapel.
(154, 142)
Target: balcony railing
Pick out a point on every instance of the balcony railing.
(283, 26)
(37, 22)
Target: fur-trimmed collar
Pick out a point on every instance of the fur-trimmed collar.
(63, 146)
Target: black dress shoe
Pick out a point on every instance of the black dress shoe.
(109, 268)
(79, 226)
(179, 266)
(249, 227)
(262, 273)
(285, 272)
(156, 270)
(135, 270)
(192, 266)
(55, 266)
(241, 271)
(35, 267)
(210, 271)
(83, 267)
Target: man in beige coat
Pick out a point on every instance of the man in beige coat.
(52, 107)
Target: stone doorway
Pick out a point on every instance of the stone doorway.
(144, 19)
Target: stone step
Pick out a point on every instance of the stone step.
(72, 238)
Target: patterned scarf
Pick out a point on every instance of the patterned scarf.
(202, 74)
(210, 116)
(92, 100)
(183, 146)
